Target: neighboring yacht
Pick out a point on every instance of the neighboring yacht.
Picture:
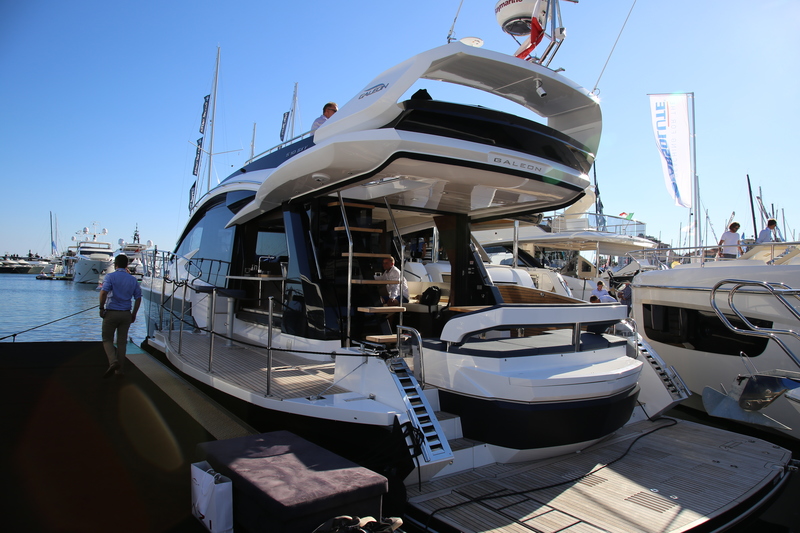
(551, 251)
(274, 294)
(135, 252)
(730, 327)
(88, 258)
(11, 265)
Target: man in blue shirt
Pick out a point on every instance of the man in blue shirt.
(769, 234)
(118, 289)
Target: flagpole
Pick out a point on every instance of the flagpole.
(698, 238)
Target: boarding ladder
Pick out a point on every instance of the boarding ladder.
(432, 441)
(669, 376)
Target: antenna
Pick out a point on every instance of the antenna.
(533, 18)
(450, 37)
(253, 143)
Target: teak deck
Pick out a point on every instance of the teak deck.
(246, 367)
(672, 479)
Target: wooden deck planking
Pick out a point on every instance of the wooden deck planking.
(246, 367)
(671, 479)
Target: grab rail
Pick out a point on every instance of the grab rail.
(771, 253)
(778, 290)
(412, 332)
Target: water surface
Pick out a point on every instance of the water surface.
(33, 310)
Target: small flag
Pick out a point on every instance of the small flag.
(628, 216)
(192, 192)
(283, 124)
(204, 116)
(197, 156)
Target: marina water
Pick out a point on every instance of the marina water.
(58, 310)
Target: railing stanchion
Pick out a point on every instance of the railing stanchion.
(171, 314)
(161, 304)
(269, 347)
(183, 317)
(211, 327)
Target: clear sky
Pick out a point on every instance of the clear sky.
(100, 100)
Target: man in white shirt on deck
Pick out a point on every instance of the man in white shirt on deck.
(394, 290)
(730, 242)
(327, 112)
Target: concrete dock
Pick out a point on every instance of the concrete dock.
(82, 453)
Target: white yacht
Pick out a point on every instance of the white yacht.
(273, 299)
(11, 265)
(730, 327)
(135, 250)
(88, 258)
(565, 237)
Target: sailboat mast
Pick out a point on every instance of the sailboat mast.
(213, 120)
(53, 248)
(752, 207)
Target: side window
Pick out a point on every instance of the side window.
(271, 244)
(272, 250)
(209, 246)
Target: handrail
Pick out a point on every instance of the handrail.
(349, 267)
(777, 290)
(402, 255)
(279, 146)
(667, 258)
(413, 332)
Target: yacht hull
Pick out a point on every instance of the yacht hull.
(674, 312)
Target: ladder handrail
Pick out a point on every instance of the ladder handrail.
(401, 329)
(777, 290)
(349, 267)
(402, 255)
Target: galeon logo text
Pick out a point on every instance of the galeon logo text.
(519, 164)
(372, 90)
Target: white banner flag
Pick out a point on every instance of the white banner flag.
(670, 115)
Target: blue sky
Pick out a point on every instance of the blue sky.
(100, 100)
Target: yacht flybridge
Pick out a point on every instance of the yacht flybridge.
(274, 296)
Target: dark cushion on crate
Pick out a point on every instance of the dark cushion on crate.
(282, 482)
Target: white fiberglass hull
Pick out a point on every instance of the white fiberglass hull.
(691, 340)
(89, 270)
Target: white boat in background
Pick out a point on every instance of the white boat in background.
(553, 251)
(37, 265)
(12, 265)
(135, 252)
(88, 258)
(730, 327)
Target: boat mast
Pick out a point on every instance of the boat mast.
(212, 120)
(53, 247)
